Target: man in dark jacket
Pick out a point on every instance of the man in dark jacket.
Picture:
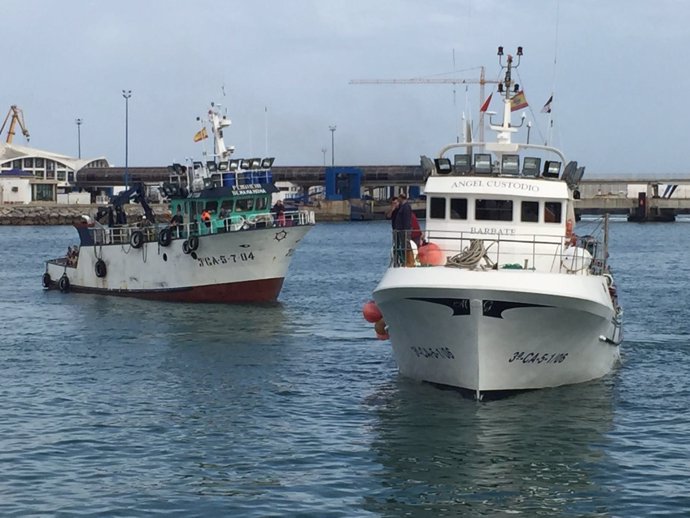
(402, 226)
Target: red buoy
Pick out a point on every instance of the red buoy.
(431, 254)
(371, 312)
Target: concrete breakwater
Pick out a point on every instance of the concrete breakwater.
(54, 214)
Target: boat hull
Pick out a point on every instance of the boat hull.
(464, 329)
(232, 267)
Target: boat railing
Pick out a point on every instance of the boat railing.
(150, 232)
(544, 253)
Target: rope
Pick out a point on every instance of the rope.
(470, 256)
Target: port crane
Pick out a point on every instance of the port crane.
(481, 81)
(15, 116)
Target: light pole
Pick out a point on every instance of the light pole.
(332, 128)
(323, 150)
(78, 122)
(126, 94)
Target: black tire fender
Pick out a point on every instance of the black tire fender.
(165, 236)
(193, 243)
(63, 283)
(46, 280)
(101, 269)
(136, 239)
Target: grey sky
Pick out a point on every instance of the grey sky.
(619, 74)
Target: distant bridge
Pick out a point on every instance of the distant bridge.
(303, 176)
(615, 195)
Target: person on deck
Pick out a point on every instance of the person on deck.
(402, 226)
(279, 211)
(177, 221)
(206, 217)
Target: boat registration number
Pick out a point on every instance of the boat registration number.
(433, 352)
(537, 357)
(214, 260)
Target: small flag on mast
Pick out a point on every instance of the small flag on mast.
(200, 135)
(485, 106)
(518, 102)
(547, 106)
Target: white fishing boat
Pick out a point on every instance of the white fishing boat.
(223, 243)
(504, 296)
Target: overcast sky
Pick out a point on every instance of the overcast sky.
(617, 69)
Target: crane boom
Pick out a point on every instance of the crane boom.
(481, 81)
(17, 117)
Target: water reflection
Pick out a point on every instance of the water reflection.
(537, 453)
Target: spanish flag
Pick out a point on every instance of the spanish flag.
(200, 135)
(518, 102)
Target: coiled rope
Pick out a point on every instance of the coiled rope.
(470, 256)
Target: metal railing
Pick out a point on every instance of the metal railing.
(101, 235)
(544, 253)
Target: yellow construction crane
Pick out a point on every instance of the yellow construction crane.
(15, 116)
(437, 80)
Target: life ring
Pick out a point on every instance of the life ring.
(193, 243)
(165, 236)
(136, 239)
(101, 270)
(63, 284)
(185, 247)
(46, 280)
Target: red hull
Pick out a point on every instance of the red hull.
(264, 290)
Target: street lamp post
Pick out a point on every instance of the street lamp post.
(78, 122)
(332, 128)
(126, 94)
(323, 150)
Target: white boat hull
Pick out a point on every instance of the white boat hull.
(241, 266)
(465, 329)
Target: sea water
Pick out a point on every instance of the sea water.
(119, 407)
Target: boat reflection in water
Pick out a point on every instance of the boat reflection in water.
(536, 454)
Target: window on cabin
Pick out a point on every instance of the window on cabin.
(529, 212)
(226, 207)
(458, 208)
(260, 203)
(244, 205)
(493, 210)
(212, 205)
(553, 212)
(437, 208)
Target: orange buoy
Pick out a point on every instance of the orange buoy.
(371, 312)
(382, 337)
(380, 327)
(431, 254)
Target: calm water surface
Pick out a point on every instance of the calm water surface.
(119, 407)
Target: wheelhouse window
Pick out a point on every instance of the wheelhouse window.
(260, 203)
(529, 211)
(212, 205)
(458, 208)
(553, 212)
(244, 205)
(437, 208)
(493, 210)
